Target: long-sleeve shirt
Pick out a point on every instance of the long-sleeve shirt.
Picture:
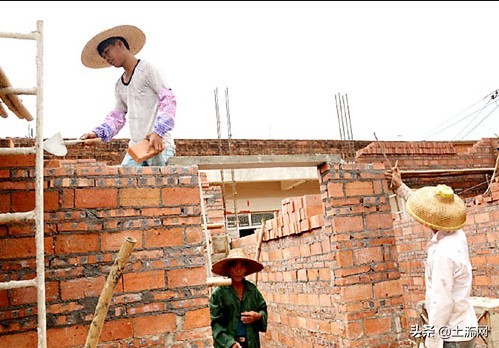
(448, 278)
(147, 102)
(225, 313)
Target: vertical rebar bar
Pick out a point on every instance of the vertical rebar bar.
(229, 138)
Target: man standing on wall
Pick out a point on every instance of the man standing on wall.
(141, 94)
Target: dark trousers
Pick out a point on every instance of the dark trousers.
(463, 344)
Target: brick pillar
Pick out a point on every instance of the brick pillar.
(358, 218)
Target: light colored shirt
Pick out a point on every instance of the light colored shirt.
(448, 278)
(147, 102)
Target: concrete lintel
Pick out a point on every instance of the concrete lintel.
(289, 174)
(254, 161)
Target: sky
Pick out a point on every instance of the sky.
(411, 71)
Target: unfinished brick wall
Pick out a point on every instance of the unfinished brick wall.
(90, 208)
(334, 279)
(335, 285)
(112, 153)
(353, 279)
(430, 155)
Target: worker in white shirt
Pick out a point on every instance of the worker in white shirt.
(451, 317)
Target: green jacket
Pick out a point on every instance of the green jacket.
(225, 311)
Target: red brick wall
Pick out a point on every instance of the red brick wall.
(438, 155)
(333, 280)
(112, 153)
(90, 208)
(352, 276)
(345, 276)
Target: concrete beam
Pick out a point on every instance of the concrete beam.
(291, 174)
(253, 161)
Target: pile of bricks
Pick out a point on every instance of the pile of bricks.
(297, 215)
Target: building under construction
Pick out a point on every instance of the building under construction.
(343, 262)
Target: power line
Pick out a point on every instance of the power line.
(474, 113)
(483, 119)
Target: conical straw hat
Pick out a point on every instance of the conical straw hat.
(133, 35)
(437, 207)
(222, 267)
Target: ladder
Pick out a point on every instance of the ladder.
(35, 215)
(232, 196)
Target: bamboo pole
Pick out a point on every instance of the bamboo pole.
(259, 247)
(496, 168)
(107, 292)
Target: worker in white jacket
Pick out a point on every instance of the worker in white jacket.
(451, 317)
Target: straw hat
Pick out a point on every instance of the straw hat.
(133, 35)
(437, 207)
(222, 267)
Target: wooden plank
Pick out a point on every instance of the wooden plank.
(12, 101)
(3, 112)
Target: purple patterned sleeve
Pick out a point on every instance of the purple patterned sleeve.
(167, 106)
(112, 124)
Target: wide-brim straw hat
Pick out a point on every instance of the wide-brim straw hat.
(222, 267)
(437, 207)
(133, 35)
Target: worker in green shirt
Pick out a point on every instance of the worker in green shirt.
(238, 312)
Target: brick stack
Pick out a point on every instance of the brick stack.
(297, 215)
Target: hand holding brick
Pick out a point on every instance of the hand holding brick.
(142, 151)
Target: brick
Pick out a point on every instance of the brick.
(114, 241)
(155, 238)
(344, 258)
(379, 221)
(50, 200)
(82, 287)
(69, 336)
(139, 197)
(197, 319)
(353, 330)
(96, 198)
(186, 277)
(316, 221)
(357, 292)
(348, 224)
(17, 248)
(68, 199)
(180, 195)
(5, 203)
(335, 189)
(359, 188)
(367, 255)
(116, 330)
(154, 324)
(142, 151)
(17, 161)
(23, 201)
(76, 243)
(139, 281)
(387, 289)
(21, 340)
(377, 326)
